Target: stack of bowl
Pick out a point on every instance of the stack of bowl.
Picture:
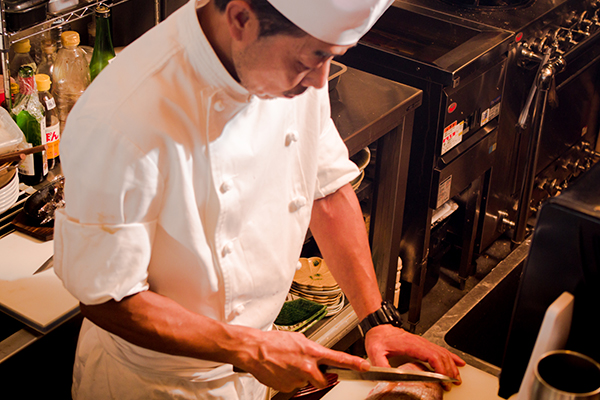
(313, 281)
(9, 186)
(361, 159)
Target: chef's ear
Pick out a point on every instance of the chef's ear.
(241, 20)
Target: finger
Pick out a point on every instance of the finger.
(318, 380)
(381, 360)
(344, 360)
(457, 360)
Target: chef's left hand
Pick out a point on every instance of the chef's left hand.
(384, 341)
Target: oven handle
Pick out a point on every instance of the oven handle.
(544, 83)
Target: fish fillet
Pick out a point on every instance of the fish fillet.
(407, 390)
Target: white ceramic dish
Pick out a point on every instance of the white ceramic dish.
(9, 194)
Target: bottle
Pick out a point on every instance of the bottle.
(21, 58)
(28, 113)
(52, 131)
(46, 67)
(71, 75)
(103, 47)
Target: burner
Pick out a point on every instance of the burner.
(496, 4)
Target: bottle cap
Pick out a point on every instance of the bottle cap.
(69, 38)
(102, 11)
(48, 46)
(43, 82)
(23, 46)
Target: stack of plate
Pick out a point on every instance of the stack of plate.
(9, 193)
(313, 281)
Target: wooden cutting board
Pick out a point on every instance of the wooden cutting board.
(477, 385)
(39, 301)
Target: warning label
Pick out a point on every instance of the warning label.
(452, 136)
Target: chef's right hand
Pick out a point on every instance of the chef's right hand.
(288, 360)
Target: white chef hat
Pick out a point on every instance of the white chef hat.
(341, 22)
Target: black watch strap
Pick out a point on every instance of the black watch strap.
(387, 314)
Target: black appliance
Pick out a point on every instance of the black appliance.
(548, 45)
(564, 256)
(460, 66)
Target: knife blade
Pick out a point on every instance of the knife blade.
(49, 263)
(380, 374)
(388, 375)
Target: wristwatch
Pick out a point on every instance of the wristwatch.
(387, 314)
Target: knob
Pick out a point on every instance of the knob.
(591, 152)
(565, 39)
(540, 182)
(551, 186)
(566, 165)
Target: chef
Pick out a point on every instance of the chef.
(194, 165)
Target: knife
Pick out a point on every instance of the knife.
(381, 374)
(49, 263)
(387, 374)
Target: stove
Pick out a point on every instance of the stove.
(509, 118)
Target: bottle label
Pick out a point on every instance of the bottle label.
(53, 140)
(26, 166)
(50, 103)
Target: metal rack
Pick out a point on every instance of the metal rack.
(81, 11)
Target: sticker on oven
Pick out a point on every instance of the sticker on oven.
(452, 136)
(490, 114)
(444, 192)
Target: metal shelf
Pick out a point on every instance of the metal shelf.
(77, 13)
(81, 11)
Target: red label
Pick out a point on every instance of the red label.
(451, 108)
(519, 37)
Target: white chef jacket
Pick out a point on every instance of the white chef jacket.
(179, 181)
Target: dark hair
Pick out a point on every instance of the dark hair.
(272, 22)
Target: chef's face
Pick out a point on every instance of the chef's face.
(283, 65)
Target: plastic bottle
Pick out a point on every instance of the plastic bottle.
(103, 47)
(71, 75)
(52, 131)
(28, 113)
(48, 57)
(21, 58)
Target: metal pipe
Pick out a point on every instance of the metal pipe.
(544, 79)
(157, 12)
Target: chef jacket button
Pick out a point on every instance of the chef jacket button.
(226, 186)
(291, 137)
(227, 249)
(219, 106)
(298, 266)
(297, 203)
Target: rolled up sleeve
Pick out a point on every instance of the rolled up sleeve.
(98, 263)
(103, 237)
(335, 168)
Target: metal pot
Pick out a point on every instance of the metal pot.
(566, 375)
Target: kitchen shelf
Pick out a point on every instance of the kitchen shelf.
(51, 22)
(79, 12)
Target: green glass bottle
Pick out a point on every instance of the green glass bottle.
(28, 113)
(103, 47)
